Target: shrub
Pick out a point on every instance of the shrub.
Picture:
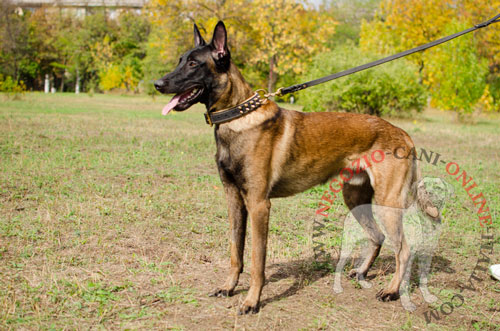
(123, 76)
(390, 89)
(11, 87)
(486, 103)
(111, 78)
(457, 75)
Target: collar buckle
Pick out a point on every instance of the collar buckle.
(208, 119)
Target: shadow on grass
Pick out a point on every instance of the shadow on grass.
(308, 271)
(304, 272)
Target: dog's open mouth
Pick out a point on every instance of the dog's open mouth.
(184, 100)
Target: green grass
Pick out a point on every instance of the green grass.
(112, 216)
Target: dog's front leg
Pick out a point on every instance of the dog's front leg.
(238, 224)
(259, 217)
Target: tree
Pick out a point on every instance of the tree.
(55, 42)
(456, 73)
(350, 14)
(111, 52)
(94, 36)
(403, 24)
(15, 43)
(287, 34)
(267, 38)
(391, 89)
(52, 43)
(488, 41)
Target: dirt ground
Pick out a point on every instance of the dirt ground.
(113, 217)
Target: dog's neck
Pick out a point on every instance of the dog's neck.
(232, 90)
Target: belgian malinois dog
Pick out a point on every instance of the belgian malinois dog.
(272, 152)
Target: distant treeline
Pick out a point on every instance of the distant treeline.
(274, 43)
(103, 53)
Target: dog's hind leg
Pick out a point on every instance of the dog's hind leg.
(392, 186)
(424, 264)
(404, 289)
(349, 240)
(358, 199)
(392, 222)
(238, 223)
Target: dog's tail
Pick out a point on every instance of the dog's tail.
(420, 193)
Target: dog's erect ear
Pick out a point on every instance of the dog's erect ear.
(198, 39)
(219, 44)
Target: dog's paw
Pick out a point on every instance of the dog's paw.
(365, 284)
(430, 298)
(355, 274)
(385, 295)
(337, 288)
(247, 308)
(408, 305)
(221, 293)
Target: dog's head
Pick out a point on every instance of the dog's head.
(432, 194)
(198, 72)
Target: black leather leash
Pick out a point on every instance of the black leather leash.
(298, 87)
(255, 101)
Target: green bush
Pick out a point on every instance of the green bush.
(389, 89)
(9, 85)
(457, 73)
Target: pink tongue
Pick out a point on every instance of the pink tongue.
(171, 105)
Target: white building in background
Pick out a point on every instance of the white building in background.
(81, 3)
(81, 7)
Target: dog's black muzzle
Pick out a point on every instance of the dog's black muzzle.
(160, 85)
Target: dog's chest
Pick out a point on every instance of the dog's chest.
(223, 159)
(229, 161)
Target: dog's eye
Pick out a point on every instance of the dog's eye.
(192, 64)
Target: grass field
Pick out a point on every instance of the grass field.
(113, 217)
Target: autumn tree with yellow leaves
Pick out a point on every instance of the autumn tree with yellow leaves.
(267, 38)
(456, 73)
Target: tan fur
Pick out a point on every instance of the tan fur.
(274, 152)
(247, 122)
(280, 153)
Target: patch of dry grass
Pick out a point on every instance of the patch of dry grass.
(112, 216)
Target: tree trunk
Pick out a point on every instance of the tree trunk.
(46, 84)
(272, 75)
(77, 84)
(62, 81)
(421, 71)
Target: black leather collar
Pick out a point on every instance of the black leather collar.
(226, 115)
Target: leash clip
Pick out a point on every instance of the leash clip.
(277, 93)
(263, 93)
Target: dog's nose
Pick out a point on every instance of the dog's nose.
(159, 84)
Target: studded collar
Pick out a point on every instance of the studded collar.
(226, 115)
